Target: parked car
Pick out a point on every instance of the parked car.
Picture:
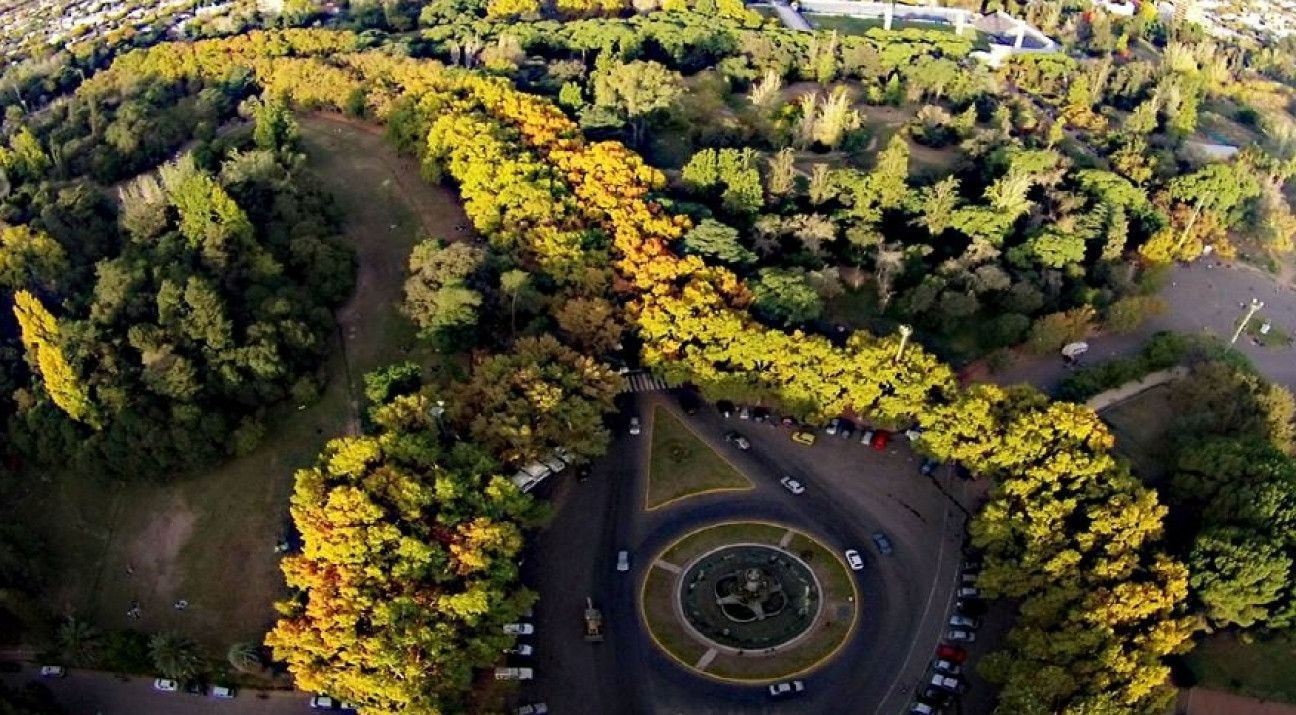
(165, 685)
(519, 629)
(974, 607)
(788, 421)
(883, 543)
(523, 649)
(833, 426)
(738, 440)
(792, 485)
(725, 408)
(324, 702)
(928, 467)
(554, 463)
(786, 689)
(936, 696)
(968, 578)
(913, 433)
(623, 560)
(945, 682)
(946, 667)
(960, 635)
(921, 707)
(968, 592)
(761, 415)
(195, 688)
(867, 437)
(962, 621)
(879, 441)
(223, 692)
(532, 709)
(744, 412)
(855, 560)
(53, 671)
(847, 429)
(803, 437)
(634, 425)
(514, 674)
(952, 653)
(583, 473)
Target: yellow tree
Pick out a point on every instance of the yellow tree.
(40, 336)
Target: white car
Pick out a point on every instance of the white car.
(519, 629)
(969, 592)
(967, 622)
(323, 702)
(786, 689)
(623, 560)
(792, 485)
(222, 692)
(960, 635)
(855, 560)
(165, 685)
(532, 709)
(522, 649)
(634, 426)
(53, 671)
(945, 667)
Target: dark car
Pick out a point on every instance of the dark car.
(725, 408)
(788, 421)
(971, 607)
(195, 688)
(689, 402)
(928, 467)
(883, 543)
(761, 414)
(583, 473)
(952, 653)
(847, 429)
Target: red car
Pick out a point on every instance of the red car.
(951, 653)
(880, 440)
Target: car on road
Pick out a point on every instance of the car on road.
(921, 707)
(514, 674)
(223, 692)
(883, 543)
(928, 467)
(788, 421)
(324, 702)
(945, 667)
(744, 412)
(945, 682)
(968, 592)
(689, 402)
(879, 441)
(855, 560)
(968, 578)
(53, 671)
(634, 426)
(803, 437)
(623, 560)
(792, 485)
(583, 473)
(725, 408)
(952, 653)
(913, 433)
(737, 440)
(532, 709)
(833, 426)
(786, 689)
(847, 429)
(165, 685)
(961, 621)
(521, 649)
(761, 415)
(960, 635)
(519, 629)
(867, 436)
(195, 688)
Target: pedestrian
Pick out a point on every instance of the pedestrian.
(181, 605)
(130, 569)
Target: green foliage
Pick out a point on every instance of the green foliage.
(391, 381)
(716, 240)
(176, 656)
(438, 296)
(1051, 332)
(786, 296)
(636, 91)
(1161, 352)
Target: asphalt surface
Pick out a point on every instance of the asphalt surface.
(852, 490)
(94, 693)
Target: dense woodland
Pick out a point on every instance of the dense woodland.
(171, 319)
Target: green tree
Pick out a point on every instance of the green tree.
(786, 296)
(1050, 332)
(636, 91)
(437, 294)
(175, 656)
(514, 283)
(1238, 576)
(80, 642)
(717, 240)
(245, 657)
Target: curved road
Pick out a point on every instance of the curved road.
(851, 491)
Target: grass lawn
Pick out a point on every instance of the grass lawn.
(681, 464)
(1263, 669)
(710, 538)
(859, 25)
(658, 592)
(1140, 425)
(210, 539)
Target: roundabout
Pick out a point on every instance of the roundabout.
(749, 602)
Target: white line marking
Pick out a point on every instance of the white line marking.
(706, 659)
(787, 539)
(931, 594)
(667, 565)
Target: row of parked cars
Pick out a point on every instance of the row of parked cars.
(510, 672)
(945, 677)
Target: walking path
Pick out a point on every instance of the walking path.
(1116, 395)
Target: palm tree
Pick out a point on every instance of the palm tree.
(175, 656)
(80, 642)
(245, 657)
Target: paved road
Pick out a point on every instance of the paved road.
(93, 693)
(852, 490)
(1203, 296)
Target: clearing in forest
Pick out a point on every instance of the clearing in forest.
(210, 540)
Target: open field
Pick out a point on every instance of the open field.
(706, 539)
(1265, 669)
(681, 465)
(860, 25)
(1140, 425)
(210, 539)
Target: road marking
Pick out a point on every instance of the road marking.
(668, 566)
(931, 594)
(787, 539)
(706, 659)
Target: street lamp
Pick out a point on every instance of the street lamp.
(905, 332)
(1256, 305)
